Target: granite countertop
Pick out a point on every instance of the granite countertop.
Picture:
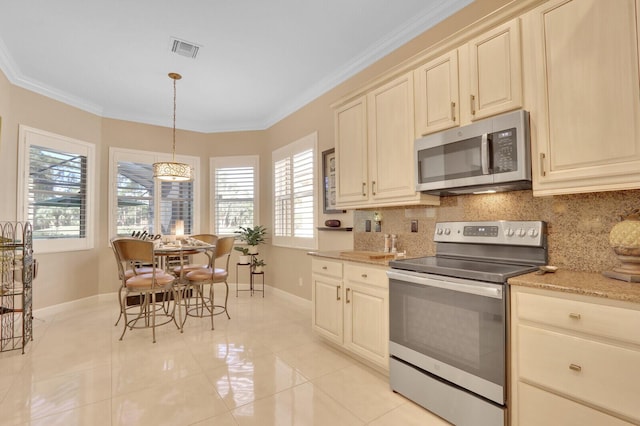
(351, 256)
(585, 283)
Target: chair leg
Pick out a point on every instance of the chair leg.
(177, 297)
(211, 301)
(122, 307)
(153, 315)
(123, 312)
(226, 298)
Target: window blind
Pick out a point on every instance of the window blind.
(294, 194)
(134, 191)
(57, 196)
(176, 203)
(146, 204)
(234, 198)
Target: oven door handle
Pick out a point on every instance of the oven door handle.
(477, 288)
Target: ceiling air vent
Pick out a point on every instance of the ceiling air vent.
(184, 48)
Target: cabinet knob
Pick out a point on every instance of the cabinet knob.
(575, 367)
(364, 275)
(573, 315)
(324, 267)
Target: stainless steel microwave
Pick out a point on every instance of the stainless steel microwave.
(490, 155)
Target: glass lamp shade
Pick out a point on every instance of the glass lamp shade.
(172, 172)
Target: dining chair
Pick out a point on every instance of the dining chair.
(149, 286)
(126, 271)
(206, 238)
(199, 278)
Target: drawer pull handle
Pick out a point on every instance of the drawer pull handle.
(473, 104)
(348, 301)
(324, 267)
(573, 315)
(575, 367)
(453, 111)
(364, 275)
(364, 189)
(338, 293)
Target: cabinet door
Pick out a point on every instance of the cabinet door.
(391, 136)
(585, 119)
(327, 317)
(367, 322)
(495, 71)
(436, 95)
(351, 153)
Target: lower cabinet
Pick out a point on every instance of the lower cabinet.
(574, 359)
(351, 308)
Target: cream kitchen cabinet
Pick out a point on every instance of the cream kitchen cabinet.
(574, 359)
(583, 89)
(350, 308)
(366, 312)
(480, 79)
(374, 148)
(326, 286)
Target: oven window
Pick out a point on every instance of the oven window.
(451, 161)
(463, 330)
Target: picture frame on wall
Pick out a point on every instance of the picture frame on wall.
(329, 182)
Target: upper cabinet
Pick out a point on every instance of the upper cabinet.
(374, 148)
(582, 87)
(495, 71)
(351, 152)
(436, 98)
(480, 79)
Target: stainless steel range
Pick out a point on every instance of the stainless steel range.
(448, 318)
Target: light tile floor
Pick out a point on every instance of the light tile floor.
(263, 367)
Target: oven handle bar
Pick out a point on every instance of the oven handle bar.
(477, 288)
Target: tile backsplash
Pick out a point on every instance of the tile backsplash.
(578, 224)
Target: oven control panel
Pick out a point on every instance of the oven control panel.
(505, 232)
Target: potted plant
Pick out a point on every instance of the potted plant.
(258, 265)
(253, 236)
(245, 257)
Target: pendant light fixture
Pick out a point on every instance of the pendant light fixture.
(171, 171)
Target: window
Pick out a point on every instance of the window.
(294, 193)
(140, 203)
(234, 198)
(56, 190)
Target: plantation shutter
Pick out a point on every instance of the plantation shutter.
(294, 194)
(57, 193)
(234, 198)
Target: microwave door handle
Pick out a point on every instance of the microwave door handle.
(484, 153)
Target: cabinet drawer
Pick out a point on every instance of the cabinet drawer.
(327, 267)
(538, 407)
(600, 320)
(366, 275)
(600, 374)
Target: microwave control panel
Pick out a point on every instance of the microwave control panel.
(505, 151)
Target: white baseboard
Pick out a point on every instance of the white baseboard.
(107, 297)
(68, 306)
